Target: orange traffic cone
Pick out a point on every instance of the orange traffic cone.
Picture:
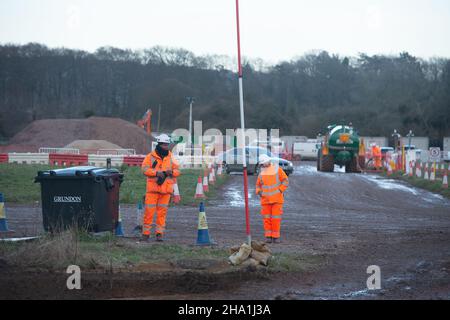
(410, 169)
(417, 169)
(211, 176)
(199, 194)
(425, 169)
(433, 172)
(389, 172)
(445, 179)
(205, 182)
(118, 230)
(176, 193)
(219, 170)
(4, 230)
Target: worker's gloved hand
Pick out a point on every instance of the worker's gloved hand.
(161, 179)
(169, 172)
(160, 174)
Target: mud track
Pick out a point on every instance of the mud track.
(354, 220)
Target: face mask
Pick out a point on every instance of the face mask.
(161, 152)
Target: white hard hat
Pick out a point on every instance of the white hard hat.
(264, 158)
(164, 138)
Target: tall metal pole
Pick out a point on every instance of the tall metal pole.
(159, 116)
(190, 123)
(410, 135)
(190, 100)
(241, 103)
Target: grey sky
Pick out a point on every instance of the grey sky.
(272, 30)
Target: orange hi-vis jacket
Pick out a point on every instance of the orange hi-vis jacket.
(152, 164)
(271, 184)
(376, 151)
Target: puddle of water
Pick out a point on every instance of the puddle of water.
(391, 184)
(308, 170)
(360, 293)
(302, 170)
(234, 197)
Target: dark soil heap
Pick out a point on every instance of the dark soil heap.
(57, 133)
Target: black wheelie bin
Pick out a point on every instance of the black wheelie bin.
(82, 197)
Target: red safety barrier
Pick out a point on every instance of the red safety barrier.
(66, 160)
(133, 161)
(3, 157)
(287, 156)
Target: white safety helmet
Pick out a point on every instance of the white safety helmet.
(164, 138)
(264, 158)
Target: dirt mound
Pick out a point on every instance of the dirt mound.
(92, 145)
(57, 133)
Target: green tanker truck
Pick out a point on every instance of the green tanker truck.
(341, 145)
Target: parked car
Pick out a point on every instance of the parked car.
(232, 160)
(385, 150)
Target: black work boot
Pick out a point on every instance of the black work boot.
(145, 238)
(268, 239)
(276, 240)
(159, 237)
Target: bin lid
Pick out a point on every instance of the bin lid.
(77, 172)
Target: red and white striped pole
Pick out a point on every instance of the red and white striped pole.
(241, 103)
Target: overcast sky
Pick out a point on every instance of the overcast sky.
(272, 30)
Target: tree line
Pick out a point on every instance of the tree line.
(302, 96)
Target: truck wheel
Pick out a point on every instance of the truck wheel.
(319, 156)
(352, 166)
(327, 163)
(362, 162)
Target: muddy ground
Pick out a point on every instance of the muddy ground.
(351, 221)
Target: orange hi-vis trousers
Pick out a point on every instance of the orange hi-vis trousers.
(159, 203)
(272, 214)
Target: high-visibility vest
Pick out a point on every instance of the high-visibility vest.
(376, 151)
(152, 164)
(271, 184)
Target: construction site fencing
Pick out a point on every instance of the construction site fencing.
(68, 160)
(28, 158)
(124, 152)
(4, 158)
(59, 150)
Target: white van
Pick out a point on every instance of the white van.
(306, 150)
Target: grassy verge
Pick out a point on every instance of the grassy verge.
(17, 184)
(53, 253)
(433, 186)
(90, 253)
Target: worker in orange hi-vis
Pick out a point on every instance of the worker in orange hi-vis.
(376, 153)
(161, 169)
(271, 184)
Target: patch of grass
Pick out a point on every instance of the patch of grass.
(433, 186)
(56, 253)
(293, 262)
(17, 184)
(89, 252)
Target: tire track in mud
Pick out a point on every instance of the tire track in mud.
(354, 219)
